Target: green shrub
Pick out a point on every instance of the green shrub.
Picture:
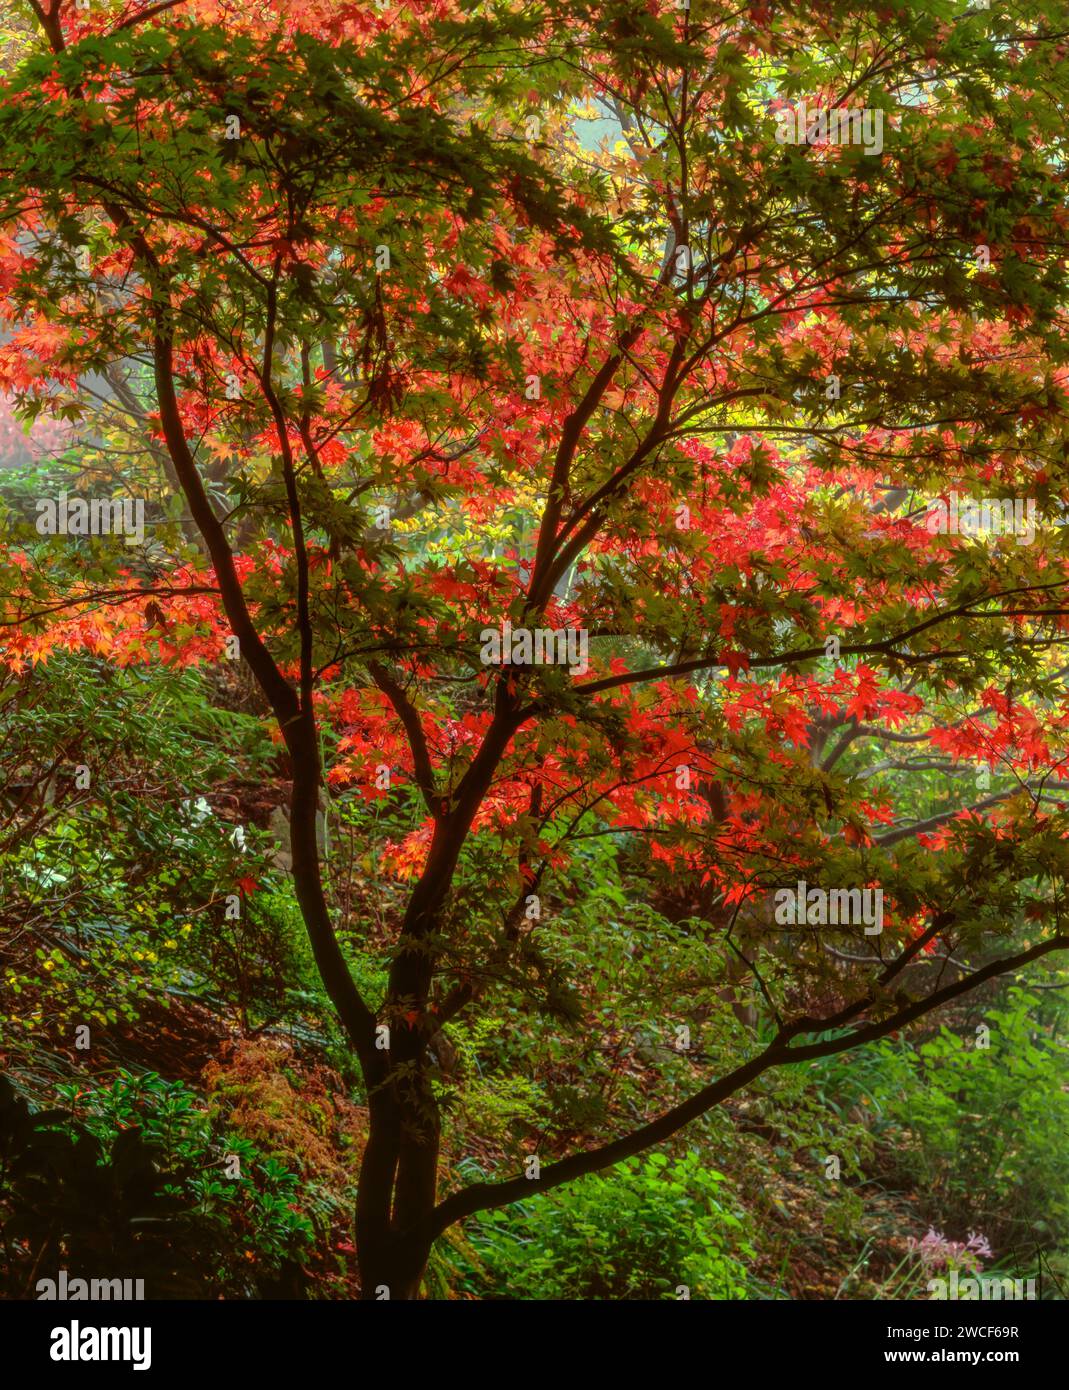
(255, 1228)
(640, 1231)
(986, 1141)
(69, 1200)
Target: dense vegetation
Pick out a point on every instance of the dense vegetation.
(552, 786)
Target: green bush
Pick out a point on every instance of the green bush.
(256, 1227)
(69, 1200)
(640, 1231)
(986, 1127)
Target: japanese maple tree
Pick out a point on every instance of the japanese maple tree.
(437, 320)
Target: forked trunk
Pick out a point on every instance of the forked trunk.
(396, 1195)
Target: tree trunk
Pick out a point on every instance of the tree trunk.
(397, 1190)
(393, 1270)
(399, 1170)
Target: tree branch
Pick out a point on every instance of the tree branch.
(487, 1196)
(417, 740)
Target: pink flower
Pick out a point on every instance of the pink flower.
(937, 1252)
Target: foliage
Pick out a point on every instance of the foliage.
(986, 1126)
(640, 1233)
(98, 1206)
(254, 1224)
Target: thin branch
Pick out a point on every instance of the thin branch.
(417, 739)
